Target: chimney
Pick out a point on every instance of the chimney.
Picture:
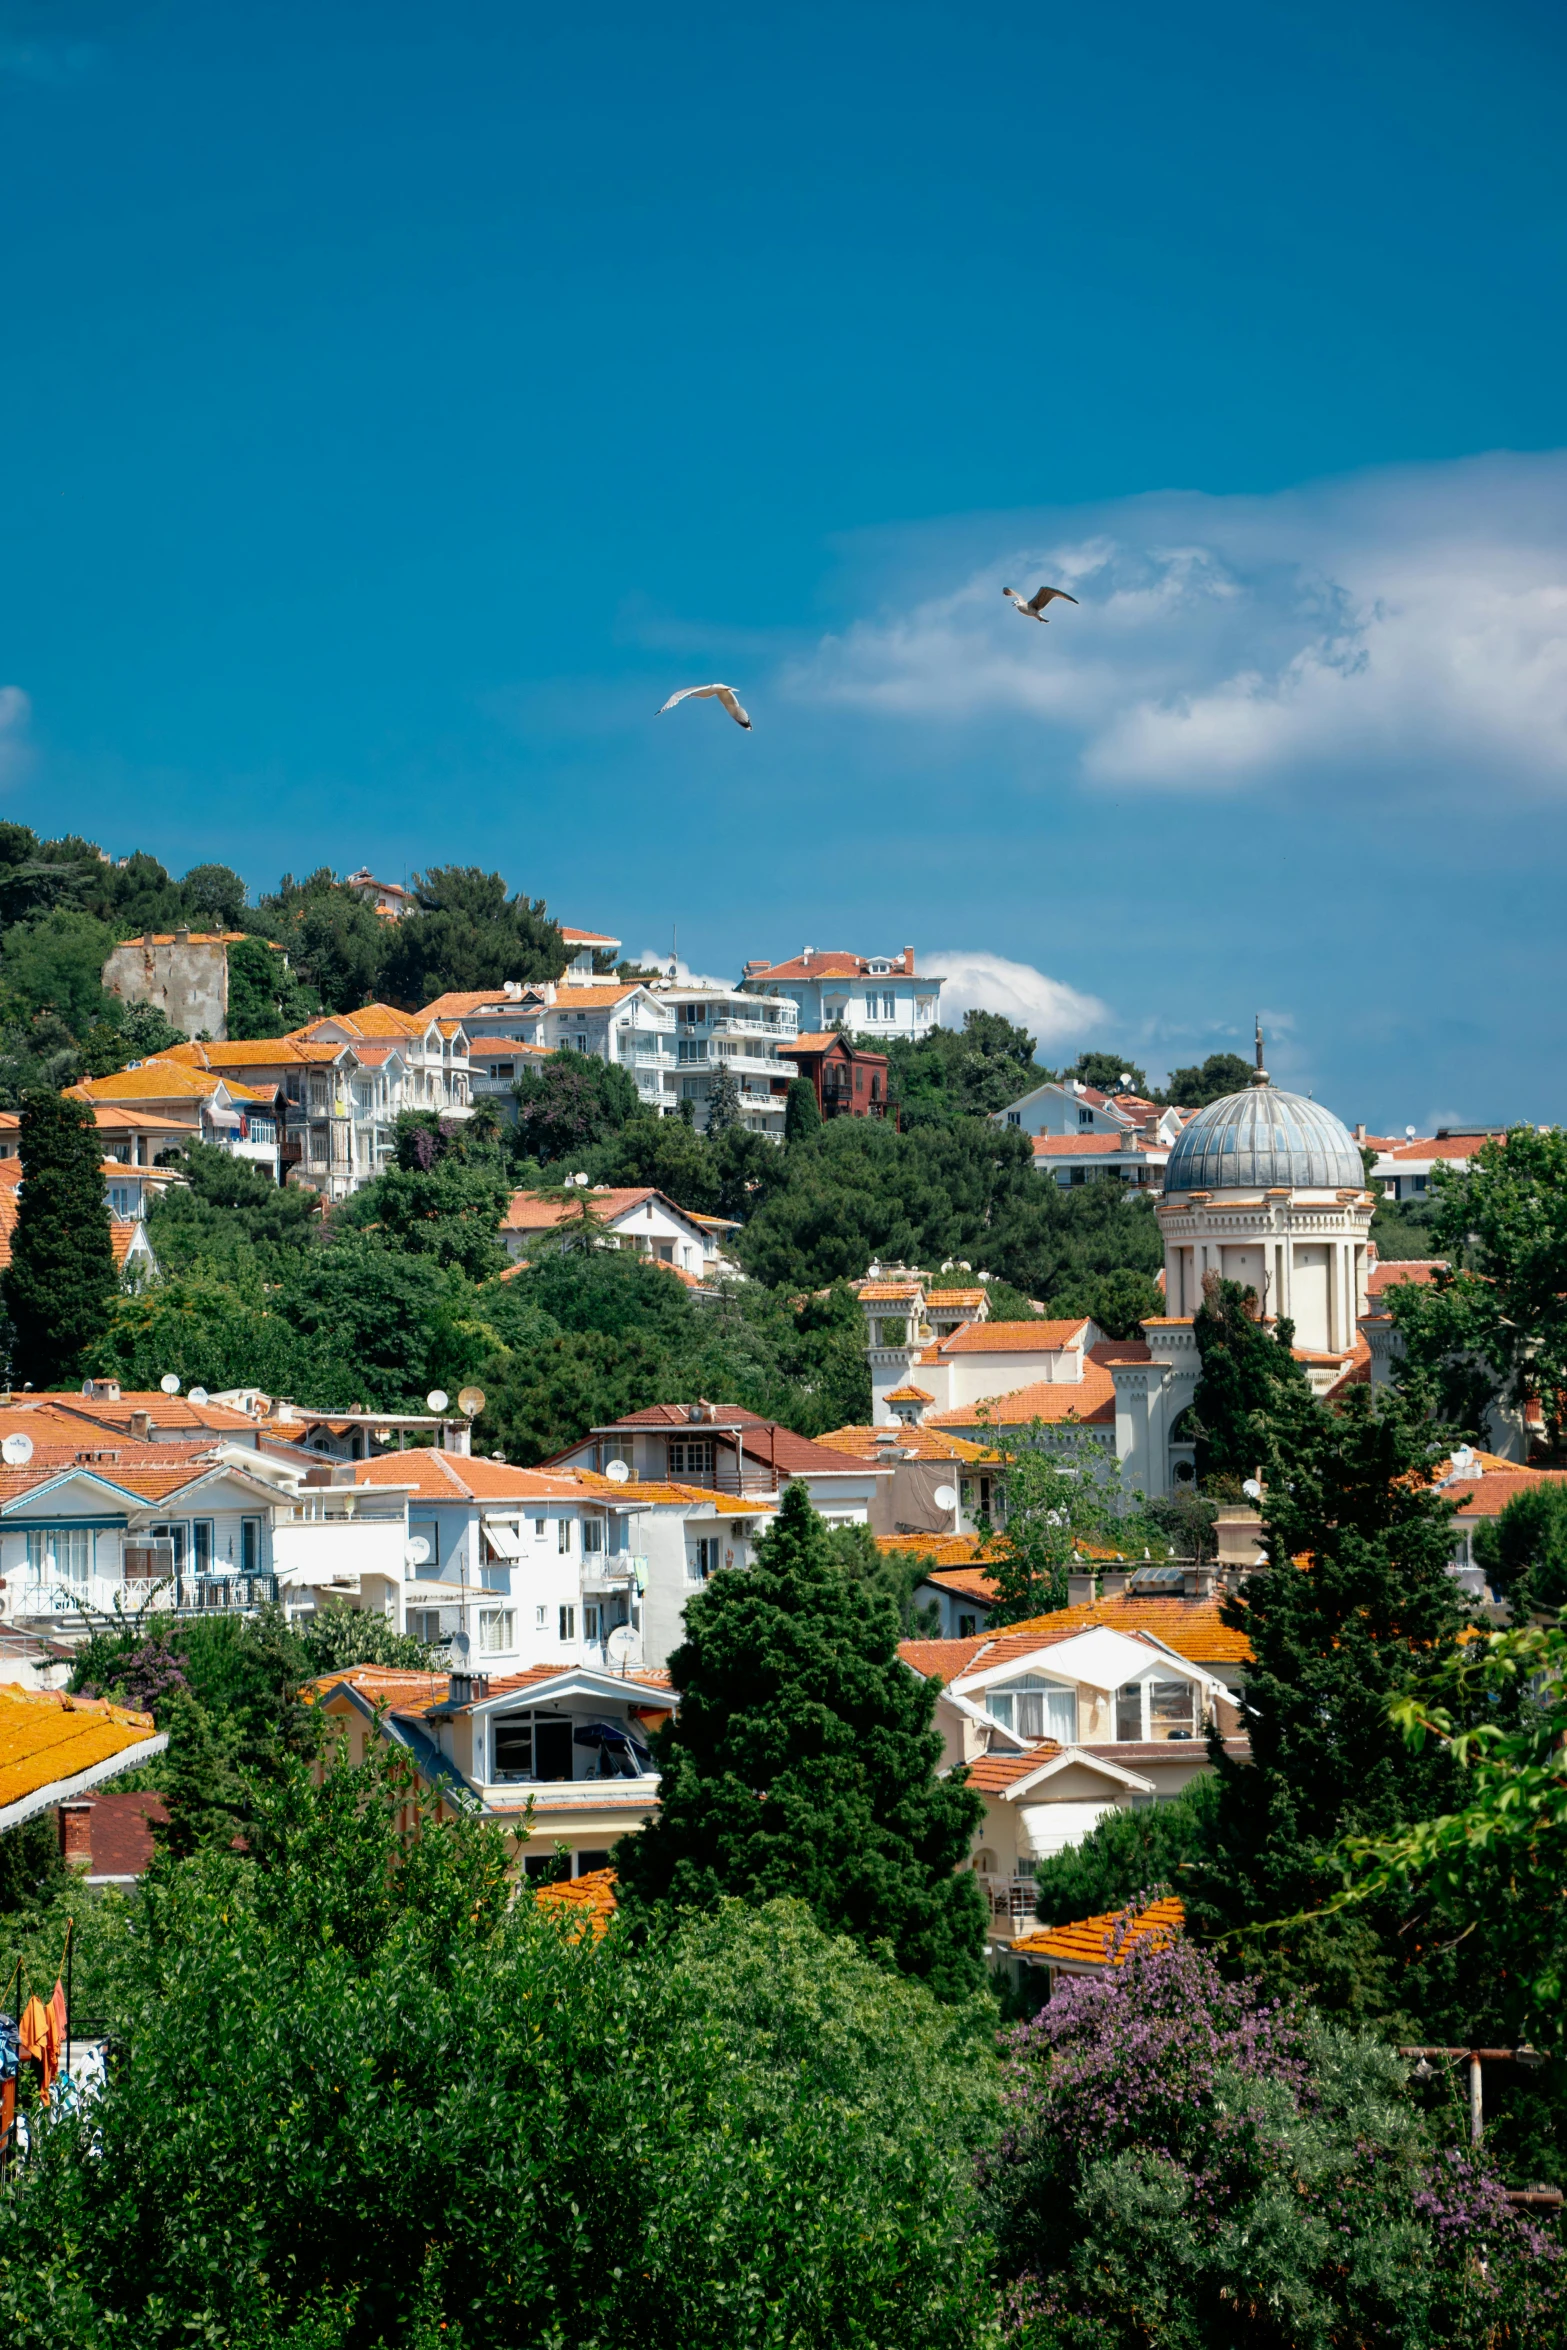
(182, 935)
(1113, 1583)
(1198, 1582)
(141, 1427)
(908, 961)
(75, 1822)
(1360, 1130)
(1080, 1590)
(459, 1689)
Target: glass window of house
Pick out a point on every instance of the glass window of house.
(592, 1534)
(568, 1623)
(514, 1747)
(702, 1558)
(563, 1538)
(1172, 1709)
(201, 1546)
(250, 1546)
(497, 1630)
(690, 1456)
(60, 1554)
(539, 1525)
(1040, 1709)
(177, 1537)
(1129, 1712)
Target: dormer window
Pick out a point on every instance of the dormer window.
(1035, 1708)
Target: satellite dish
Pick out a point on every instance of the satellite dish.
(416, 1550)
(169, 1384)
(945, 1497)
(616, 1471)
(437, 1399)
(87, 1387)
(1251, 1489)
(471, 1401)
(621, 1646)
(16, 1451)
(383, 1436)
(198, 1395)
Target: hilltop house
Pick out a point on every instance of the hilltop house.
(872, 995)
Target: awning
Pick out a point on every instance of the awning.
(504, 1540)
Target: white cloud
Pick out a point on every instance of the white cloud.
(681, 972)
(15, 711)
(1411, 621)
(1055, 1013)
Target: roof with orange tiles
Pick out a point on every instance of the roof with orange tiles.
(992, 1774)
(195, 938)
(1090, 1941)
(160, 1080)
(462, 1003)
(1121, 1350)
(1090, 1400)
(1487, 1495)
(505, 1048)
(766, 1442)
(123, 1231)
(162, 1411)
(954, 1551)
(669, 1491)
(1010, 1338)
(954, 1660)
(1446, 1146)
(118, 1118)
(1096, 1146)
(833, 963)
(601, 998)
(374, 1023)
(585, 938)
(1192, 1627)
(946, 1301)
(926, 1444)
(1395, 1271)
(886, 1292)
(249, 1053)
(532, 1211)
(458, 1477)
(908, 1394)
(1357, 1371)
(47, 1737)
(587, 1901)
(431, 1692)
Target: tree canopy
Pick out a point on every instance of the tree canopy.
(61, 1281)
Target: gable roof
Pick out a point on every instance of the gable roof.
(462, 1477)
(600, 998)
(833, 963)
(1192, 1627)
(1090, 1400)
(891, 1443)
(161, 1080)
(373, 1023)
(53, 1745)
(530, 1211)
(992, 1774)
(1097, 1146)
(1393, 1272)
(1009, 1338)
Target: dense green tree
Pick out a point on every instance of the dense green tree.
(337, 945)
(265, 996)
(230, 1221)
(970, 1072)
(55, 964)
(1494, 1331)
(1524, 1550)
(751, 2134)
(1252, 1393)
(61, 1282)
(132, 1032)
(1105, 1072)
(802, 1762)
(723, 1102)
(215, 896)
(442, 1197)
(802, 1112)
(210, 1331)
(467, 933)
(1356, 1604)
(1195, 1086)
(39, 1056)
(30, 1864)
(1126, 1854)
(569, 1103)
(1054, 1505)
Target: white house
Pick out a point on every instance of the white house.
(724, 1449)
(1404, 1169)
(635, 1219)
(872, 995)
(1065, 1106)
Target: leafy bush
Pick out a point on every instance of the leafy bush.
(1187, 2164)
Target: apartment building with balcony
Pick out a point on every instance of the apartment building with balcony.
(871, 995)
(191, 1103)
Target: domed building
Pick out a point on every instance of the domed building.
(1268, 1189)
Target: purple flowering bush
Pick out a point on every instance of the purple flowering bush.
(1188, 2164)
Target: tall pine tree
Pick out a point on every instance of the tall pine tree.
(1357, 1602)
(1252, 1391)
(61, 1278)
(803, 1762)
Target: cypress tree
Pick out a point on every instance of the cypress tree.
(803, 1762)
(61, 1278)
(1252, 1390)
(802, 1113)
(1356, 1603)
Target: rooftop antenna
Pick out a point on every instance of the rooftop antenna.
(1261, 1076)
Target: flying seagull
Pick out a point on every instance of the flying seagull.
(1035, 607)
(707, 693)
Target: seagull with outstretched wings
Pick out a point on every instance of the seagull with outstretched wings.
(709, 693)
(1034, 609)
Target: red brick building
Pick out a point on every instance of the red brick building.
(847, 1082)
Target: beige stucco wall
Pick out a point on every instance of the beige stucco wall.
(188, 982)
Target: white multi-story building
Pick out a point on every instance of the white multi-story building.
(870, 995)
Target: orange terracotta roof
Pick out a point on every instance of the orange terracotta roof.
(195, 938)
(669, 1491)
(1090, 1400)
(1487, 1495)
(594, 999)
(1449, 1146)
(926, 1444)
(1088, 1941)
(883, 1292)
(585, 938)
(156, 1080)
(163, 1411)
(450, 1476)
(1011, 1338)
(965, 1583)
(1094, 1146)
(248, 1053)
(1192, 1627)
(1397, 1270)
(812, 1040)
(112, 1120)
(531, 1211)
(832, 963)
(992, 1774)
(909, 1395)
(944, 1550)
(943, 1301)
(46, 1736)
(505, 1048)
(375, 1023)
(122, 1238)
(586, 1901)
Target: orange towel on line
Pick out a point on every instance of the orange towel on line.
(40, 2034)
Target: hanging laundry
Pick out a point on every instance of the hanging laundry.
(10, 2051)
(40, 2035)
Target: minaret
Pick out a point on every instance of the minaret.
(1260, 1077)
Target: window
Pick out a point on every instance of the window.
(539, 1525)
(967, 1627)
(497, 1631)
(924, 1007)
(592, 1535)
(690, 1456)
(563, 1539)
(123, 1198)
(260, 1130)
(702, 1559)
(201, 1546)
(1037, 1709)
(540, 1618)
(1129, 1712)
(590, 1623)
(60, 1554)
(1172, 1709)
(568, 1623)
(1085, 1117)
(175, 1536)
(250, 1546)
(1014, 1117)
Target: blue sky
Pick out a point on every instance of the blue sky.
(399, 403)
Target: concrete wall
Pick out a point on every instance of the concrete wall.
(187, 978)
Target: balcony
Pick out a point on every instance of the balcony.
(618, 1572)
(116, 1596)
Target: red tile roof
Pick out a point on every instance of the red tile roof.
(833, 963)
(1090, 1400)
(585, 1901)
(1192, 1627)
(1010, 1338)
(450, 1476)
(120, 1827)
(1090, 1146)
(926, 1444)
(1395, 1271)
(992, 1774)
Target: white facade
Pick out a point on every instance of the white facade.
(877, 996)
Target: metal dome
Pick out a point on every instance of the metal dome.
(1261, 1140)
